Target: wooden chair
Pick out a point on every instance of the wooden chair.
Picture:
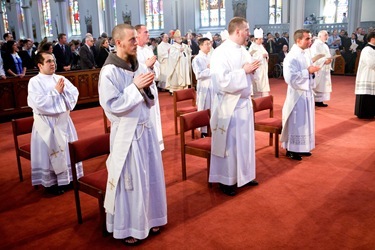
(198, 147)
(93, 183)
(270, 125)
(180, 96)
(20, 127)
(339, 64)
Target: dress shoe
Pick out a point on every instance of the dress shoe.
(305, 153)
(228, 190)
(293, 155)
(320, 104)
(203, 135)
(55, 190)
(252, 183)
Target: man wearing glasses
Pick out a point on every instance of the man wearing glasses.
(86, 54)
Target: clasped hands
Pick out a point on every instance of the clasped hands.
(144, 80)
(251, 67)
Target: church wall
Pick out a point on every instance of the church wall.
(367, 11)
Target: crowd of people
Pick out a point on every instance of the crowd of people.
(230, 68)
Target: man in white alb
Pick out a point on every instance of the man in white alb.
(163, 54)
(298, 114)
(232, 124)
(201, 68)
(135, 198)
(323, 84)
(146, 56)
(51, 97)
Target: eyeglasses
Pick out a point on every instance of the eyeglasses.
(50, 61)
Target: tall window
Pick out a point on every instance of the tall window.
(5, 16)
(212, 13)
(334, 9)
(114, 6)
(274, 11)
(154, 14)
(47, 22)
(74, 17)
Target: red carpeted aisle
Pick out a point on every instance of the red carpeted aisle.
(326, 201)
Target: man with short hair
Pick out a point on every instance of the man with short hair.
(298, 114)
(146, 56)
(27, 54)
(135, 198)
(232, 122)
(365, 81)
(86, 54)
(323, 84)
(51, 97)
(163, 54)
(63, 53)
(201, 68)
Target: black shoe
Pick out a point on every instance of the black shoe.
(305, 153)
(320, 104)
(293, 155)
(252, 183)
(203, 135)
(55, 190)
(228, 190)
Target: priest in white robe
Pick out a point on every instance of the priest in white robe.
(232, 123)
(365, 81)
(135, 199)
(146, 56)
(298, 114)
(201, 68)
(163, 54)
(179, 65)
(323, 88)
(51, 97)
(261, 84)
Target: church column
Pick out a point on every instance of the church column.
(285, 11)
(63, 20)
(109, 15)
(2, 28)
(28, 20)
(354, 15)
(297, 13)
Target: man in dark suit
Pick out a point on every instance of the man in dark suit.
(27, 54)
(63, 54)
(86, 54)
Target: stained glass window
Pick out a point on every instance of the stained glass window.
(74, 17)
(5, 16)
(212, 13)
(154, 14)
(334, 9)
(274, 15)
(47, 21)
(114, 10)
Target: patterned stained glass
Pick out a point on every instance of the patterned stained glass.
(47, 21)
(212, 13)
(275, 7)
(154, 14)
(114, 6)
(5, 16)
(74, 17)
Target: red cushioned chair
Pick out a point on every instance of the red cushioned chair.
(93, 183)
(181, 96)
(20, 127)
(199, 147)
(270, 125)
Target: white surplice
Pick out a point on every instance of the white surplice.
(323, 76)
(143, 53)
(163, 54)
(261, 84)
(139, 188)
(232, 123)
(298, 114)
(365, 79)
(202, 73)
(179, 67)
(49, 107)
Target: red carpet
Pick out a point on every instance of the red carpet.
(326, 201)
